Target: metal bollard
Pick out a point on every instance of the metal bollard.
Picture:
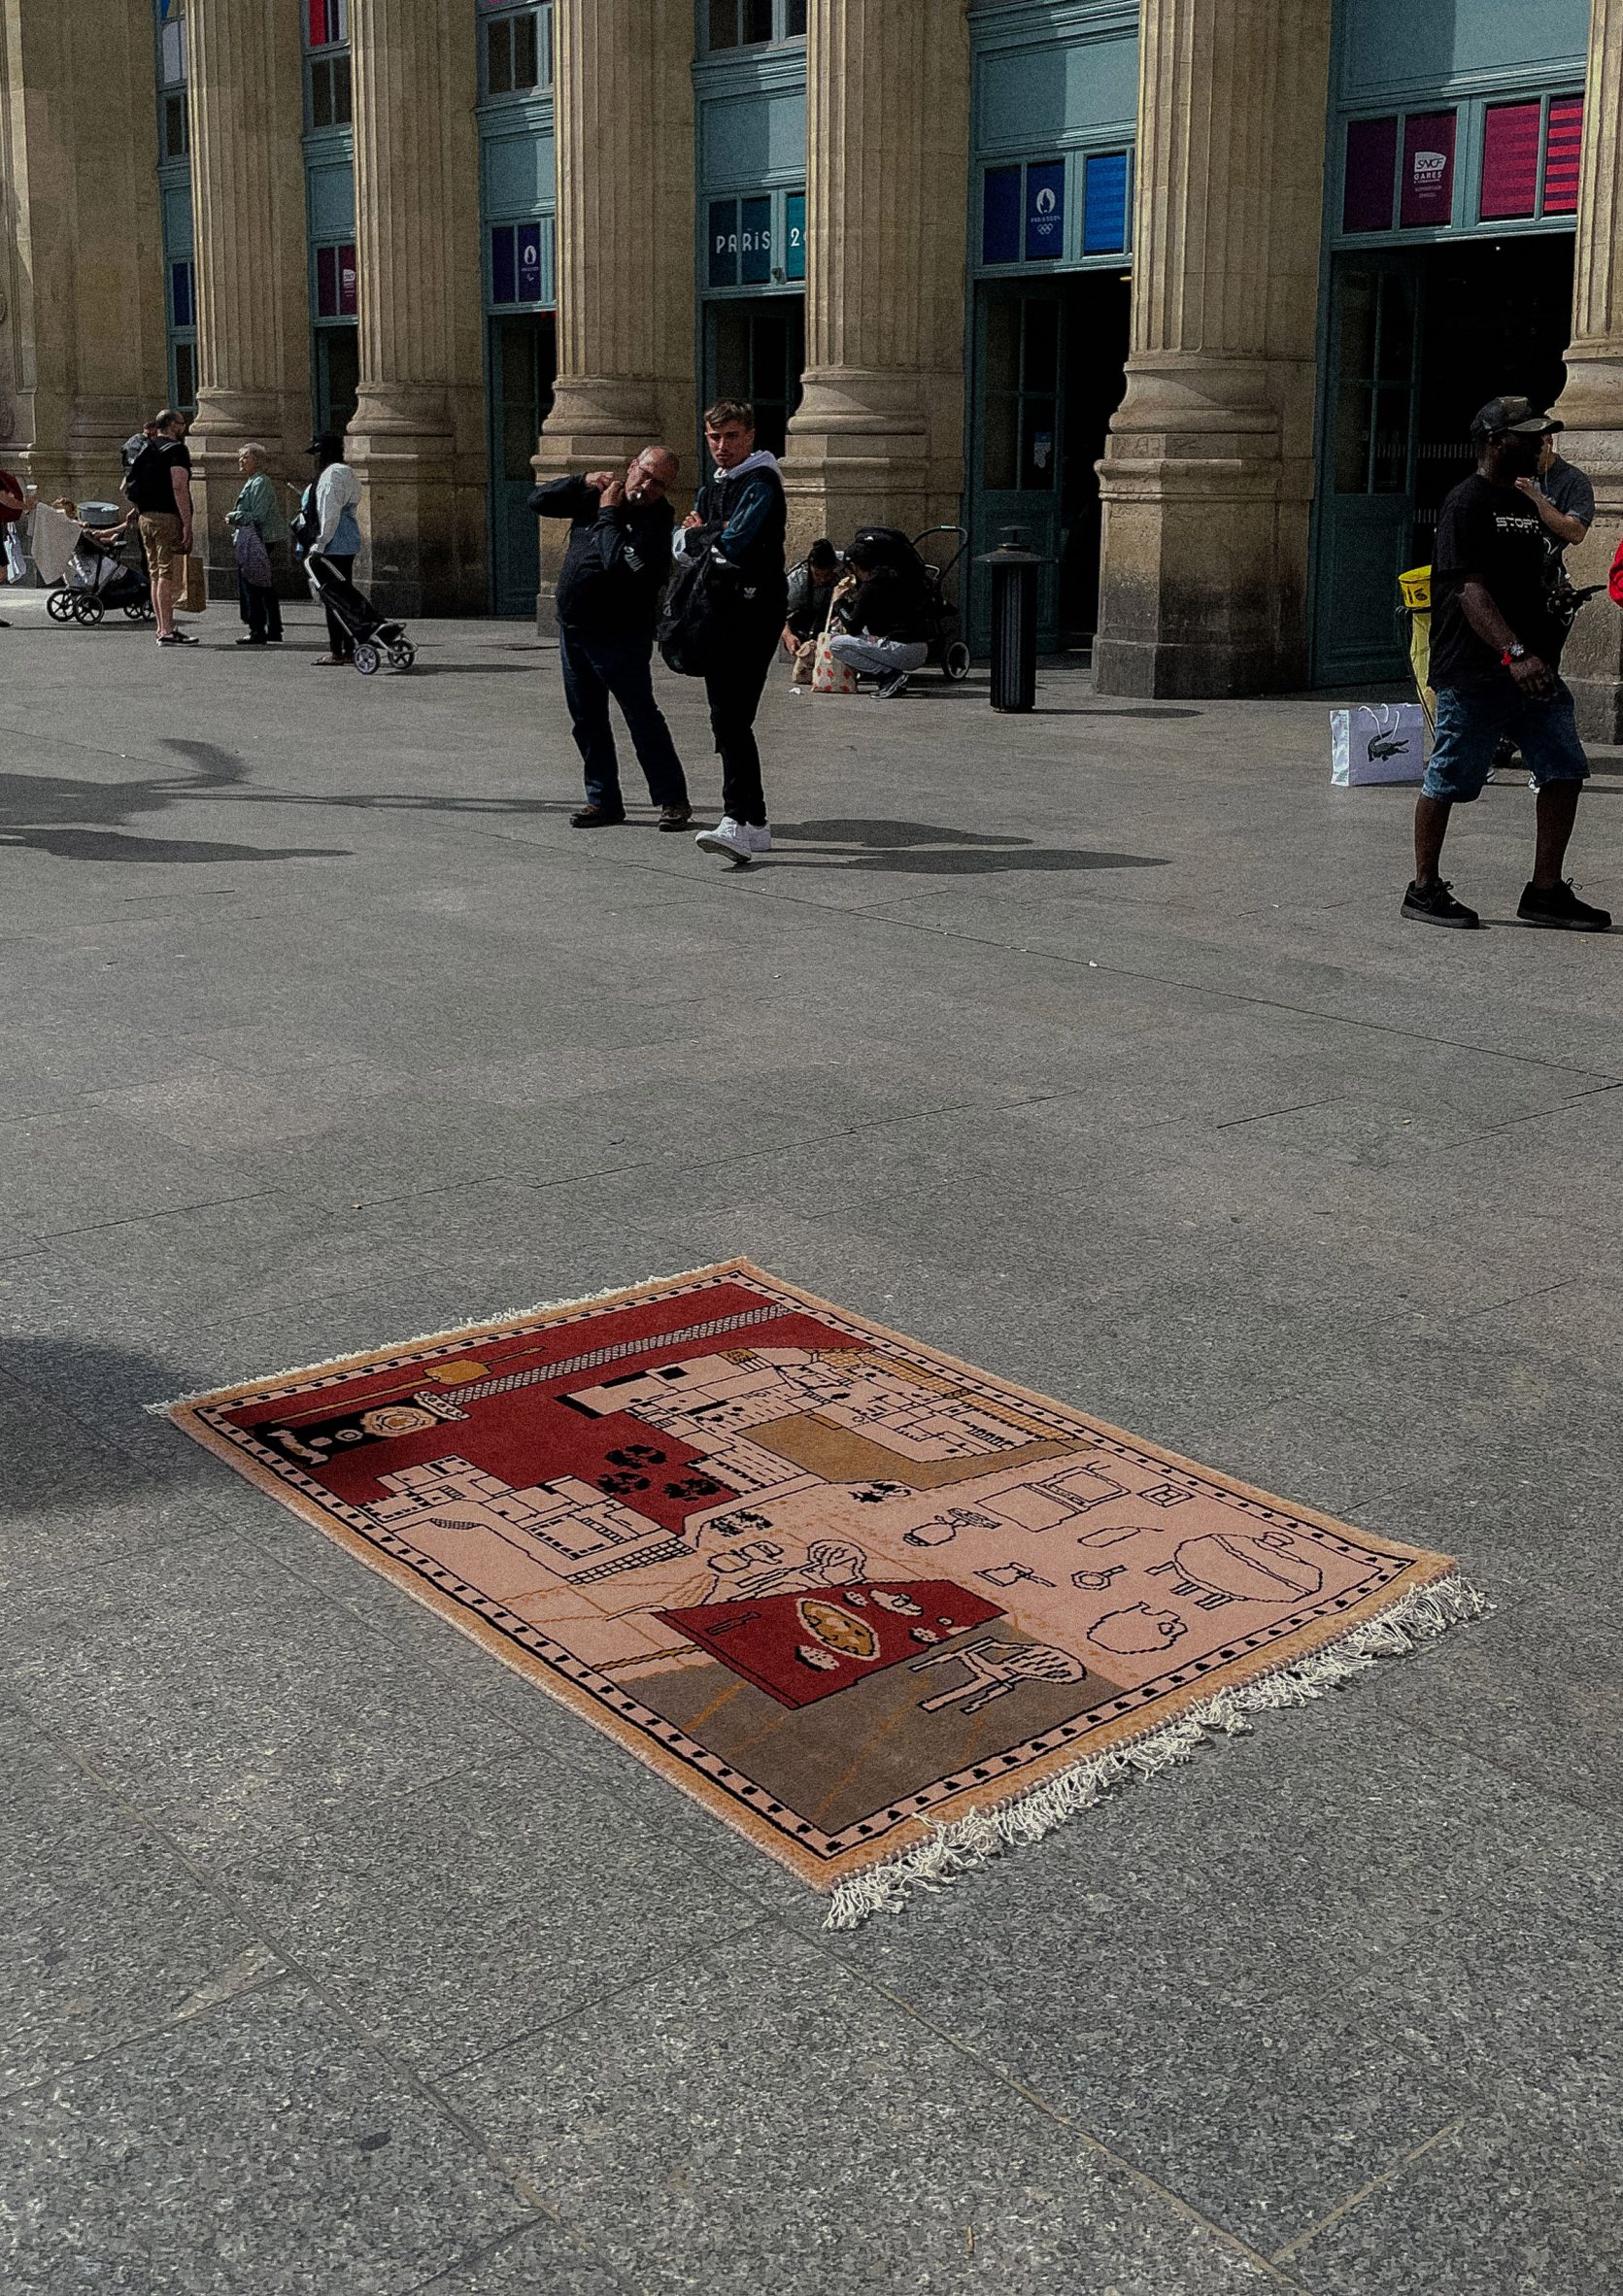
(1014, 622)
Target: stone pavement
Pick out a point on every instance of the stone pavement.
(1088, 1046)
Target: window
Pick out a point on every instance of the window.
(184, 375)
(331, 92)
(518, 50)
(327, 23)
(182, 302)
(176, 133)
(170, 53)
(754, 23)
(335, 281)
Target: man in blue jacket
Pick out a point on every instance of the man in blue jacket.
(608, 600)
(741, 516)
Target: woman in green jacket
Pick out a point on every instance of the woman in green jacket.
(257, 514)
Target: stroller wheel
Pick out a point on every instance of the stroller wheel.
(137, 612)
(403, 653)
(366, 659)
(87, 609)
(955, 662)
(59, 605)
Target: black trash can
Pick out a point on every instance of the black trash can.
(1014, 571)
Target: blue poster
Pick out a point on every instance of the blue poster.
(1104, 206)
(795, 235)
(1000, 217)
(755, 242)
(530, 263)
(1045, 211)
(724, 243)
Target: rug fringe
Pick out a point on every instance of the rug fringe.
(985, 1833)
(474, 1323)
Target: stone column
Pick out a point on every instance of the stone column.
(417, 436)
(1207, 473)
(878, 436)
(82, 345)
(624, 117)
(1592, 404)
(247, 113)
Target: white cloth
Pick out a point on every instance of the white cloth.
(56, 538)
(879, 658)
(337, 491)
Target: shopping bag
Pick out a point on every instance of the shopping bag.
(253, 562)
(191, 590)
(1375, 744)
(829, 676)
(16, 564)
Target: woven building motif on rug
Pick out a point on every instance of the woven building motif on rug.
(853, 1596)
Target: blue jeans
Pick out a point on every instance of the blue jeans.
(595, 667)
(1473, 719)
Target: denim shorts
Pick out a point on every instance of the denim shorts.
(1473, 719)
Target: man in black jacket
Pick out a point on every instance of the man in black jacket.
(608, 601)
(740, 518)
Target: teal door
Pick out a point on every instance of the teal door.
(523, 366)
(337, 377)
(1366, 511)
(1018, 451)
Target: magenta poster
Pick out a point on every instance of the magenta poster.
(1428, 177)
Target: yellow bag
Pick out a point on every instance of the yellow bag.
(192, 590)
(1416, 588)
(829, 676)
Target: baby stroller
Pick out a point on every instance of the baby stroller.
(370, 634)
(889, 544)
(100, 580)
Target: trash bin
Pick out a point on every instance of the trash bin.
(1014, 620)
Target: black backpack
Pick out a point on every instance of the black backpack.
(693, 619)
(305, 525)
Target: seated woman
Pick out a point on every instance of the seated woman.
(885, 633)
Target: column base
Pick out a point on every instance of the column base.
(1592, 407)
(423, 506)
(858, 456)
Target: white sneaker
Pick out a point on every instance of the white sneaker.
(730, 840)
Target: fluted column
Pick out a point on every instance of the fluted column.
(887, 140)
(416, 437)
(1592, 403)
(246, 113)
(624, 118)
(1213, 440)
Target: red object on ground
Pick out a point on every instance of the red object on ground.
(1615, 585)
(805, 1646)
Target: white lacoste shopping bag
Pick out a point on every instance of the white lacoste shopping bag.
(1382, 743)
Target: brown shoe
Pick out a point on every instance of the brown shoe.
(675, 817)
(331, 661)
(596, 817)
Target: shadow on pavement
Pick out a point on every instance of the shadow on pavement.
(103, 1390)
(74, 819)
(924, 849)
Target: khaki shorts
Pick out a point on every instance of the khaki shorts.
(160, 538)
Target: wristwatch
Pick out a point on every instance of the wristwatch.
(1514, 651)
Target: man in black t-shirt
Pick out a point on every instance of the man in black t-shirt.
(1494, 647)
(159, 487)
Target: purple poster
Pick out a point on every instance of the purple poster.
(1428, 195)
(1372, 165)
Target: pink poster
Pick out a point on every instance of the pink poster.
(1428, 177)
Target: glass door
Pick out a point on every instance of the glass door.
(755, 347)
(523, 365)
(1366, 516)
(1018, 451)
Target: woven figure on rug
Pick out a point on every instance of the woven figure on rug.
(838, 1586)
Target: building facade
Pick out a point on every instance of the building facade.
(1199, 296)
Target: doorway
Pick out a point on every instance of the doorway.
(1419, 339)
(1050, 359)
(337, 377)
(523, 368)
(756, 349)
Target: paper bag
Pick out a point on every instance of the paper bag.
(192, 589)
(1375, 744)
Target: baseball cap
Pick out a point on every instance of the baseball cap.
(1511, 414)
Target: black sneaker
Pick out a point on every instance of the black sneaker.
(891, 689)
(1561, 907)
(597, 816)
(1434, 904)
